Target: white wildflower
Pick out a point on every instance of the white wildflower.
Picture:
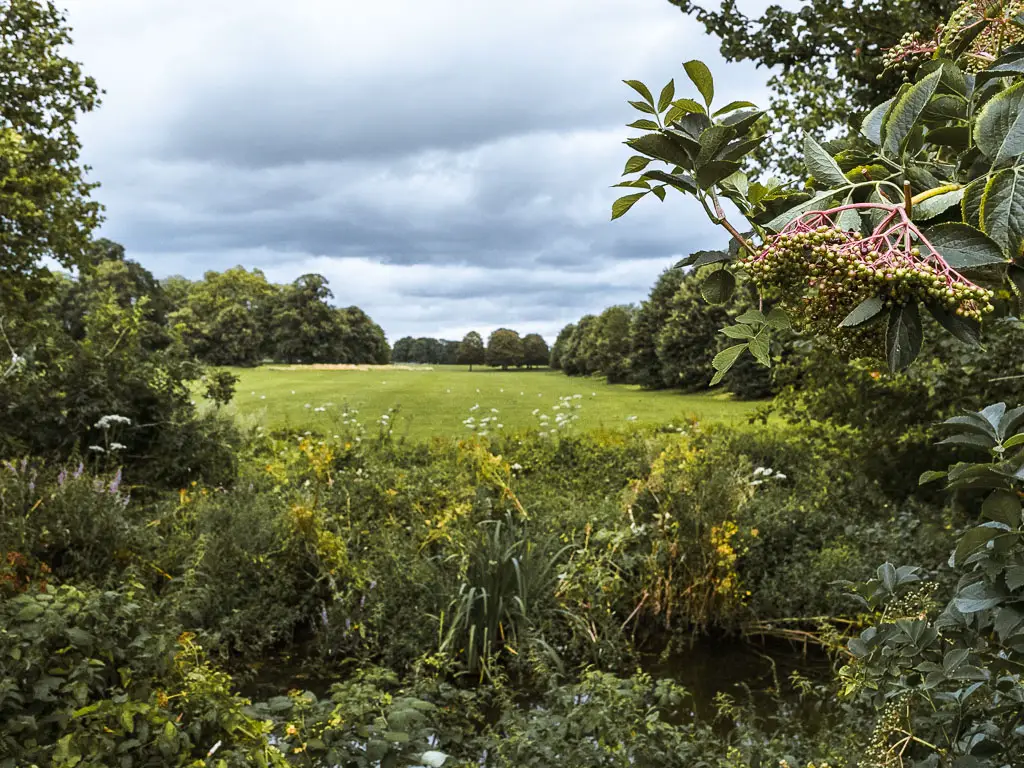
(97, 448)
(117, 446)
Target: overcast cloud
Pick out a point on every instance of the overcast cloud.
(445, 164)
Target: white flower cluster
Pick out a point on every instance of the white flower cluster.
(484, 425)
(109, 420)
(764, 474)
(565, 408)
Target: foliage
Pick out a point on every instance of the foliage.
(504, 348)
(535, 350)
(471, 350)
(648, 323)
(829, 60)
(46, 208)
(558, 348)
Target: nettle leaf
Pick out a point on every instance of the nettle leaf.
(635, 164)
(866, 310)
(964, 247)
(903, 336)
(667, 94)
(700, 76)
(724, 360)
(1002, 210)
(623, 204)
(931, 207)
(718, 286)
(642, 89)
(900, 120)
(821, 166)
(962, 328)
(999, 129)
(871, 126)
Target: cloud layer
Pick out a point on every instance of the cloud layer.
(445, 165)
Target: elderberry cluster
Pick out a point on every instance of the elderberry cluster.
(998, 33)
(820, 275)
(908, 53)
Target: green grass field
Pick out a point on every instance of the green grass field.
(437, 401)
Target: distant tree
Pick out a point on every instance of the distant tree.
(504, 348)
(226, 317)
(646, 327)
(471, 350)
(128, 283)
(535, 350)
(176, 289)
(401, 352)
(558, 348)
(46, 208)
(364, 339)
(611, 343)
(578, 357)
(450, 352)
(689, 340)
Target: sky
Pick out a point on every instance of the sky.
(446, 165)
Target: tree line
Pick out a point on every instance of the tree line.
(667, 342)
(505, 349)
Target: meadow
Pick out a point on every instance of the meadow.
(437, 401)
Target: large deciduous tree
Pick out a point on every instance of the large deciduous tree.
(471, 350)
(650, 318)
(611, 343)
(45, 205)
(558, 348)
(535, 350)
(504, 348)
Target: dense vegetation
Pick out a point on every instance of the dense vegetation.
(504, 349)
(496, 600)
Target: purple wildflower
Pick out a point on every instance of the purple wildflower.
(62, 477)
(78, 472)
(116, 482)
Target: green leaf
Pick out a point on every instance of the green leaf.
(643, 125)
(711, 140)
(718, 286)
(700, 76)
(635, 164)
(682, 107)
(956, 136)
(644, 107)
(778, 319)
(902, 336)
(661, 147)
(866, 310)
(623, 204)
(1002, 210)
(1013, 442)
(733, 105)
(640, 88)
(821, 166)
(964, 247)
(815, 203)
(752, 317)
(849, 220)
(711, 257)
(975, 441)
(1003, 507)
(967, 330)
(999, 128)
(667, 94)
(760, 348)
(905, 111)
(970, 206)
(30, 612)
(931, 207)
(724, 360)
(659, 192)
(930, 476)
(738, 331)
(976, 597)
(871, 126)
(711, 173)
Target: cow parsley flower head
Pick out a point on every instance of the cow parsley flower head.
(106, 422)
